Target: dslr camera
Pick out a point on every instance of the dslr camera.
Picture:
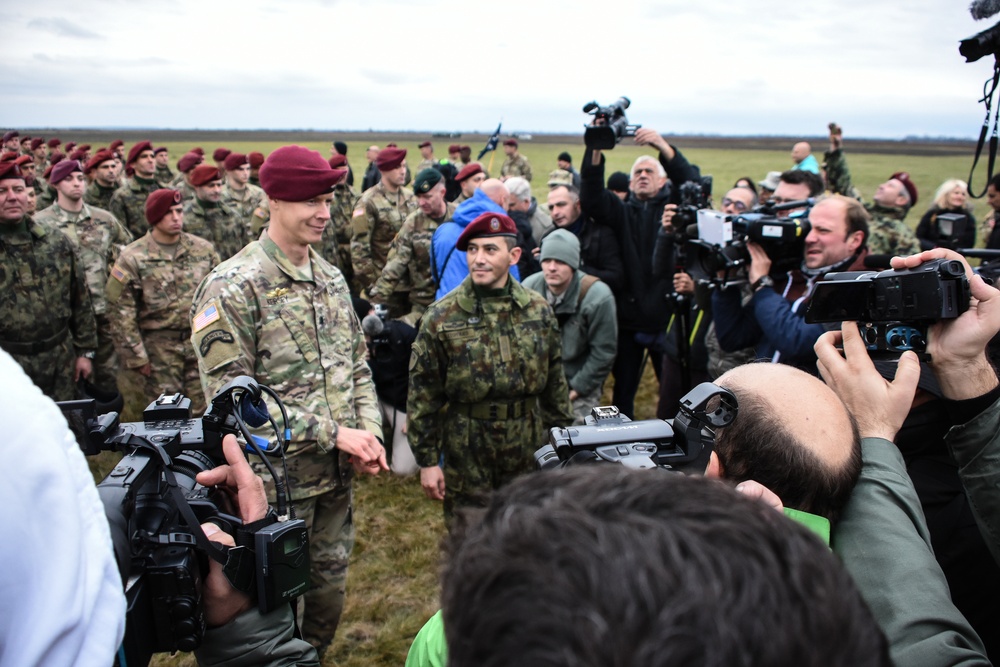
(893, 308)
(615, 128)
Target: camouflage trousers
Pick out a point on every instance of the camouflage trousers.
(106, 359)
(174, 369)
(52, 370)
(330, 521)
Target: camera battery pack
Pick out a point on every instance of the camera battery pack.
(282, 563)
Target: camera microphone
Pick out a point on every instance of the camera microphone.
(372, 325)
(878, 261)
(981, 9)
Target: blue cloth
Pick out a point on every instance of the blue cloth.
(809, 164)
(452, 274)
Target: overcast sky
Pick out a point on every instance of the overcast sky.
(880, 68)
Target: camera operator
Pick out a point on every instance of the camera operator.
(642, 311)
(773, 320)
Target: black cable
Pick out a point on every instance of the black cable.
(989, 90)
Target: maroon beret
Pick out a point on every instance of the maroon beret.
(159, 149)
(100, 157)
(511, 142)
(77, 154)
(487, 224)
(37, 143)
(56, 158)
(199, 150)
(235, 161)
(54, 143)
(205, 173)
(425, 144)
(62, 170)
(21, 159)
(391, 144)
(219, 154)
(188, 162)
(454, 148)
(85, 147)
(390, 158)
(904, 178)
(137, 150)
(256, 159)
(9, 169)
(337, 161)
(115, 144)
(470, 169)
(295, 173)
(159, 203)
(10, 135)
(47, 172)
(70, 145)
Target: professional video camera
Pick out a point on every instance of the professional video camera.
(683, 444)
(695, 196)
(893, 308)
(615, 127)
(155, 509)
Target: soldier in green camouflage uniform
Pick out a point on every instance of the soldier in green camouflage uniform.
(102, 171)
(129, 200)
(46, 319)
(279, 313)
(410, 257)
(206, 216)
(237, 193)
(164, 175)
(149, 298)
(336, 244)
(427, 160)
(377, 218)
(98, 238)
(515, 164)
(486, 376)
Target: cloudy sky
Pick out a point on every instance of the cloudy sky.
(878, 67)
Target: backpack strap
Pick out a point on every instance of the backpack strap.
(585, 284)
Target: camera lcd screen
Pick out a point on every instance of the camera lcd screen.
(838, 302)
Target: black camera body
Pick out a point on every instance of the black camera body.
(615, 128)
(683, 444)
(723, 240)
(894, 308)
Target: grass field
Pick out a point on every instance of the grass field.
(392, 586)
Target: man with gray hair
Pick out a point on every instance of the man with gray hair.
(522, 201)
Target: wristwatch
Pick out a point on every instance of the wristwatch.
(763, 281)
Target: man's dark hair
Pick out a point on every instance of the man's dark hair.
(602, 565)
(857, 217)
(758, 447)
(995, 182)
(799, 176)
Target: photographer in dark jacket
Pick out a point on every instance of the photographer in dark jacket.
(642, 306)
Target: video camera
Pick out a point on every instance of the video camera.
(893, 308)
(615, 127)
(683, 444)
(155, 509)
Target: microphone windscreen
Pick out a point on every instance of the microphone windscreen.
(254, 414)
(878, 261)
(372, 325)
(983, 9)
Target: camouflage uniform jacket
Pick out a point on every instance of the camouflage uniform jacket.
(164, 176)
(151, 289)
(258, 315)
(888, 234)
(336, 244)
(42, 287)
(98, 195)
(217, 224)
(244, 202)
(516, 165)
(128, 204)
(410, 259)
(98, 238)
(838, 176)
(472, 351)
(377, 217)
(429, 163)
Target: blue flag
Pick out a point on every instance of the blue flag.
(491, 145)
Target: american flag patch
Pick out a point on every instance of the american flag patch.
(207, 315)
(118, 274)
(357, 212)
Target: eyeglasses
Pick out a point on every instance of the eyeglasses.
(738, 205)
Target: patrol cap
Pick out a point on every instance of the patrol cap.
(424, 144)
(235, 161)
(54, 143)
(256, 159)
(560, 177)
(100, 157)
(390, 158)
(337, 161)
(470, 169)
(159, 203)
(61, 171)
(487, 224)
(188, 162)
(425, 180)
(9, 170)
(137, 150)
(904, 178)
(510, 142)
(220, 154)
(37, 143)
(562, 245)
(205, 173)
(159, 149)
(295, 173)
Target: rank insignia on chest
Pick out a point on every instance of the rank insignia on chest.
(207, 315)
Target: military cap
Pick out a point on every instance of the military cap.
(159, 203)
(205, 173)
(487, 224)
(56, 158)
(771, 182)
(100, 157)
(25, 138)
(159, 149)
(9, 169)
(425, 144)
(235, 161)
(510, 142)
(188, 162)
(10, 135)
(137, 150)
(117, 143)
(70, 145)
(560, 177)
(77, 154)
(61, 171)
(295, 173)
(37, 143)
(390, 158)
(21, 159)
(341, 147)
(199, 150)
(53, 143)
(468, 170)
(337, 161)
(220, 154)
(904, 178)
(391, 144)
(47, 172)
(85, 147)
(565, 157)
(425, 180)
(256, 159)
(618, 182)
(454, 148)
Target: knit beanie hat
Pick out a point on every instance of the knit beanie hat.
(562, 245)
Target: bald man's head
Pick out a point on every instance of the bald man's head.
(793, 435)
(801, 151)
(497, 191)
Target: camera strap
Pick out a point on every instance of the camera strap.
(989, 90)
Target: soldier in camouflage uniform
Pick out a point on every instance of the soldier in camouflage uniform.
(102, 172)
(46, 318)
(486, 376)
(281, 314)
(206, 216)
(427, 160)
(377, 218)
(149, 298)
(164, 174)
(98, 238)
(515, 164)
(410, 257)
(128, 202)
(185, 166)
(336, 244)
(237, 193)
(470, 178)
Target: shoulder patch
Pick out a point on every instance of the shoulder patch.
(216, 335)
(118, 274)
(207, 315)
(357, 212)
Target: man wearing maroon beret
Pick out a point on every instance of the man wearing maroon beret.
(219, 155)
(377, 218)
(208, 217)
(336, 245)
(46, 318)
(164, 175)
(128, 202)
(281, 314)
(515, 164)
(256, 160)
(12, 142)
(486, 376)
(238, 193)
(102, 171)
(470, 178)
(427, 160)
(182, 181)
